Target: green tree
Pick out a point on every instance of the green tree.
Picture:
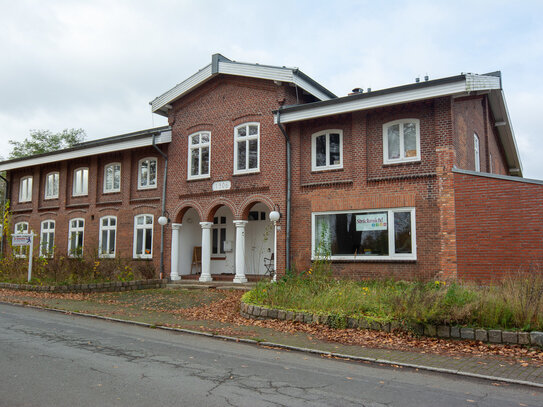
(44, 141)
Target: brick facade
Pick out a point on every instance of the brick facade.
(445, 215)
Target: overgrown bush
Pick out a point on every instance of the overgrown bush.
(513, 303)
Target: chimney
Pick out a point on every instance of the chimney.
(356, 91)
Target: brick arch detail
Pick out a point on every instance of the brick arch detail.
(216, 204)
(183, 207)
(250, 201)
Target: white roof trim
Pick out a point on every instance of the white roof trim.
(463, 85)
(144, 141)
(225, 66)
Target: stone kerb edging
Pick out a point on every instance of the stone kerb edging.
(89, 288)
(441, 331)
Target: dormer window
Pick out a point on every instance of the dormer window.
(401, 141)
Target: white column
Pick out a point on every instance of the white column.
(240, 251)
(174, 268)
(206, 252)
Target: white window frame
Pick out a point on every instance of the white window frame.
(80, 184)
(402, 157)
(199, 147)
(45, 237)
(108, 229)
(327, 166)
(247, 138)
(477, 152)
(149, 185)
(21, 227)
(25, 189)
(116, 172)
(143, 227)
(73, 230)
(55, 181)
(391, 244)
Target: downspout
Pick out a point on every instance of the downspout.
(289, 184)
(163, 204)
(6, 194)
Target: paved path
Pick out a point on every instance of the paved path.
(52, 359)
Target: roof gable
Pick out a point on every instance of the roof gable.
(222, 65)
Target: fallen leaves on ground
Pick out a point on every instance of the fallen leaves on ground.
(226, 310)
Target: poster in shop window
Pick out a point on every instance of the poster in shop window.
(371, 221)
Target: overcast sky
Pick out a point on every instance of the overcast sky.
(96, 64)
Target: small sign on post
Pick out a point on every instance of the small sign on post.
(25, 239)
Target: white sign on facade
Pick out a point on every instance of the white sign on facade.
(371, 221)
(21, 239)
(221, 186)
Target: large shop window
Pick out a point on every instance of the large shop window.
(199, 146)
(147, 173)
(51, 185)
(401, 141)
(47, 240)
(112, 177)
(246, 148)
(108, 231)
(143, 236)
(363, 235)
(326, 148)
(75, 237)
(81, 182)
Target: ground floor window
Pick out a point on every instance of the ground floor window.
(108, 230)
(218, 235)
(359, 235)
(47, 239)
(21, 251)
(75, 239)
(143, 236)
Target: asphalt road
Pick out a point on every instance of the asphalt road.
(52, 359)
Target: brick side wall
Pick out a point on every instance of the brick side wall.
(499, 226)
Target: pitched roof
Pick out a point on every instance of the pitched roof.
(222, 65)
(460, 85)
(126, 141)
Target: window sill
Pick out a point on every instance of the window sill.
(192, 179)
(142, 258)
(79, 195)
(50, 198)
(326, 169)
(362, 259)
(147, 188)
(112, 192)
(401, 162)
(237, 174)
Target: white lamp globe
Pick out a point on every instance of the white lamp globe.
(163, 220)
(274, 216)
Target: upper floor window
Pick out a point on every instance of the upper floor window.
(75, 237)
(199, 146)
(21, 227)
(47, 239)
(143, 236)
(108, 231)
(327, 150)
(246, 148)
(401, 141)
(477, 156)
(112, 177)
(51, 185)
(147, 173)
(25, 189)
(81, 182)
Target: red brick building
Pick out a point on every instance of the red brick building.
(418, 180)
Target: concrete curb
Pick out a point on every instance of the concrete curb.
(494, 336)
(287, 347)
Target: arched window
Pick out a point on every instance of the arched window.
(108, 233)
(47, 238)
(81, 182)
(147, 169)
(143, 236)
(199, 155)
(76, 237)
(112, 177)
(327, 150)
(25, 189)
(51, 185)
(246, 148)
(401, 141)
